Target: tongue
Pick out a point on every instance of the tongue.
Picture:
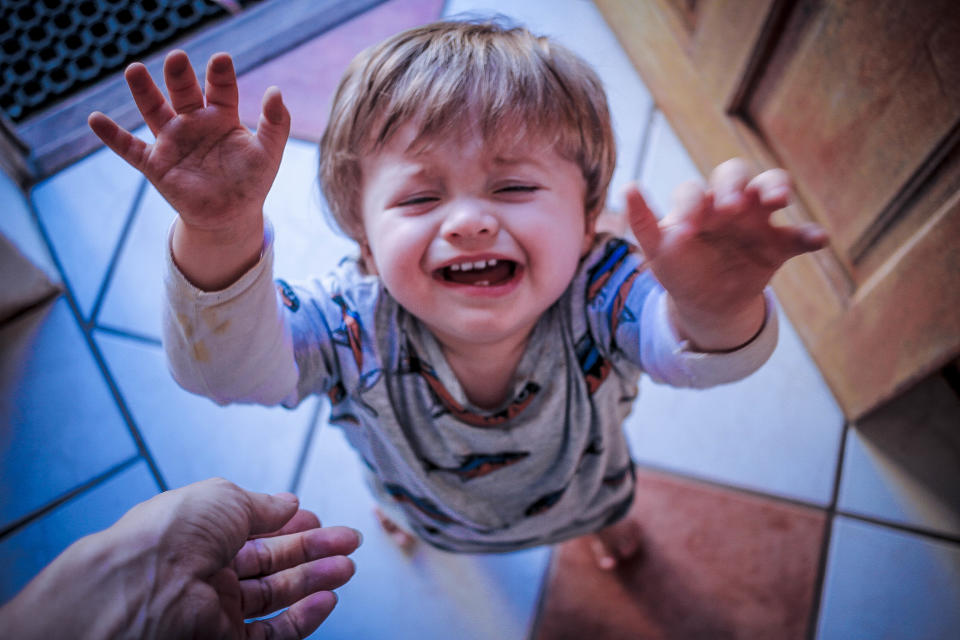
(492, 275)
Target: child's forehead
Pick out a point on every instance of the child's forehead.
(509, 146)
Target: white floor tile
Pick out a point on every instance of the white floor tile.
(191, 438)
(83, 209)
(429, 595)
(666, 165)
(578, 25)
(27, 551)
(306, 244)
(777, 431)
(902, 463)
(59, 423)
(133, 299)
(882, 583)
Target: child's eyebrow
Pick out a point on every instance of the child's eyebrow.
(512, 161)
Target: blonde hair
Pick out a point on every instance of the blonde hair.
(504, 79)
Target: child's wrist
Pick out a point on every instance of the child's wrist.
(718, 331)
(213, 259)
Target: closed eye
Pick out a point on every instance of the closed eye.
(518, 188)
(417, 200)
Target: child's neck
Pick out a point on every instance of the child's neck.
(486, 371)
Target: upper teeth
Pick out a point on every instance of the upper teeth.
(479, 264)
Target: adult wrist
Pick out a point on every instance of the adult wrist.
(82, 582)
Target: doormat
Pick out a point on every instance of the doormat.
(51, 49)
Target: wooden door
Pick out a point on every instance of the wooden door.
(860, 101)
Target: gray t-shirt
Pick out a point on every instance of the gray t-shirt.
(551, 463)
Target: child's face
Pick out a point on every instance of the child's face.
(476, 242)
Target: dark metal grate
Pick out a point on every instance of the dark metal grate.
(50, 49)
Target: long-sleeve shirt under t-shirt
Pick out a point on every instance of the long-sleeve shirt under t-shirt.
(548, 464)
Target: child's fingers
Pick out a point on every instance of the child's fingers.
(795, 240)
(122, 142)
(727, 182)
(643, 223)
(773, 188)
(221, 84)
(274, 125)
(690, 204)
(153, 106)
(182, 85)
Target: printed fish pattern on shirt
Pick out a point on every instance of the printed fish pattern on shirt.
(479, 464)
(411, 363)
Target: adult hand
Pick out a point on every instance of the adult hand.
(191, 563)
(717, 250)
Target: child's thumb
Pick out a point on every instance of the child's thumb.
(642, 222)
(274, 125)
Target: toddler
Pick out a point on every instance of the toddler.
(483, 348)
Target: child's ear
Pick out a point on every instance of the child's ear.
(366, 259)
(589, 232)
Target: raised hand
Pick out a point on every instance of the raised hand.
(205, 162)
(717, 250)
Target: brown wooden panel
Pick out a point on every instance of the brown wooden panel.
(858, 99)
(900, 319)
(902, 324)
(722, 47)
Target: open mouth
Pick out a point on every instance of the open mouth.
(481, 273)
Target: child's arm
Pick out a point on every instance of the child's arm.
(717, 250)
(208, 166)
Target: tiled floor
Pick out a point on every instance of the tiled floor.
(765, 516)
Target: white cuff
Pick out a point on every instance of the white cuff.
(667, 358)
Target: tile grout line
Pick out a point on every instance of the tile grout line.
(533, 631)
(305, 451)
(138, 438)
(67, 496)
(645, 141)
(900, 527)
(117, 251)
(87, 332)
(130, 335)
(888, 524)
(830, 513)
(755, 493)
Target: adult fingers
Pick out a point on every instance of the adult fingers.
(302, 520)
(261, 596)
(221, 83)
(643, 222)
(151, 103)
(727, 182)
(182, 85)
(297, 622)
(263, 556)
(268, 513)
(122, 142)
(274, 125)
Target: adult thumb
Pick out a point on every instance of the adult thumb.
(270, 512)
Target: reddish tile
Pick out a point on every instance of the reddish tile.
(717, 564)
(309, 74)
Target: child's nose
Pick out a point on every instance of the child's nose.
(469, 221)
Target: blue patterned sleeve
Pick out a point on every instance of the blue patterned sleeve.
(627, 314)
